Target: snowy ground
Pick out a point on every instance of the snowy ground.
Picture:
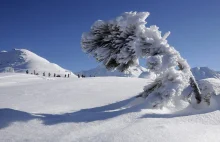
(38, 109)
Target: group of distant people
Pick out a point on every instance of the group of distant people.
(49, 74)
(57, 75)
(83, 76)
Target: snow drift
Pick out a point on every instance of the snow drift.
(211, 86)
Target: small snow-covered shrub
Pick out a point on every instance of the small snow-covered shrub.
(9, 69)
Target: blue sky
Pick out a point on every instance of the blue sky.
(53, 28)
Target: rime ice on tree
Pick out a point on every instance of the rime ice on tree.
(120, 42)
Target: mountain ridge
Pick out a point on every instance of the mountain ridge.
(141, 72)
(102, 71)
(204, 72)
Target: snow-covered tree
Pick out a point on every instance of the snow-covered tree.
(119, 43)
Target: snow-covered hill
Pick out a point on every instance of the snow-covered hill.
(38, 109)
(204, 72)
(102, 71)
(21, 60)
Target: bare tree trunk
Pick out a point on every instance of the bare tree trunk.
(196, 90)
(194, 86)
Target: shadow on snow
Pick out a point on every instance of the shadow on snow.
(8, 116)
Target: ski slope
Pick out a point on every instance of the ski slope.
(96, 109)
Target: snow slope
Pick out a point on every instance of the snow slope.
(204, 72)
(21, 60)
(34, 108)
(102, 71)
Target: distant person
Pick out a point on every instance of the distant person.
(49, 74)
(34, 72)
(78, 76)
(44, 74)
(54, 75)
(27, 71)
(65, 75)
(68, 75)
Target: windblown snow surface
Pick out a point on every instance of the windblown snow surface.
(20, 60)
(34, 108)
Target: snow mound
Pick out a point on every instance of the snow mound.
(20, 60)
(210, 85)
(204, 72)
(148, 75)
(134, 71)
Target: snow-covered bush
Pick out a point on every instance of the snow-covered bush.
(9, 69)
(120, 42)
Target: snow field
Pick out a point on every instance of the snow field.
(94, 109)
